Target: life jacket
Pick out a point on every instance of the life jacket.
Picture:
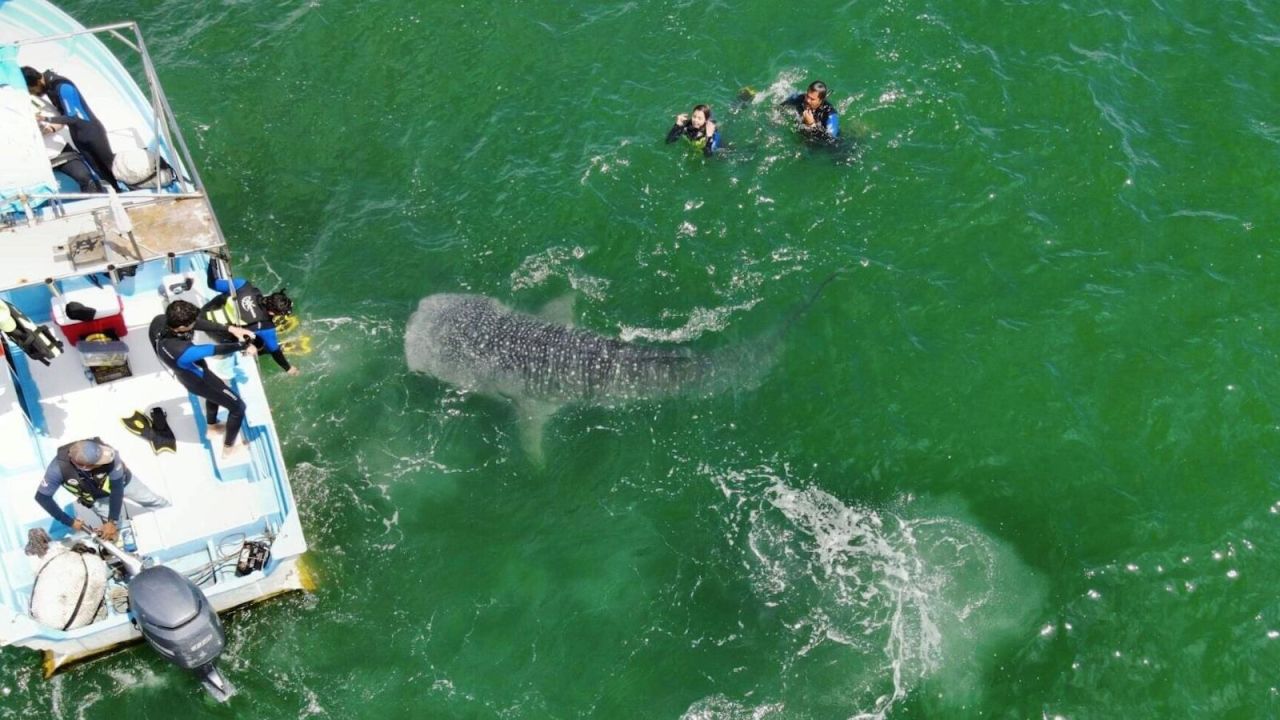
(697, 136)
(34, 340)
(86, 485)
(246, 310)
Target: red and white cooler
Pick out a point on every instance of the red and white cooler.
(108, 308)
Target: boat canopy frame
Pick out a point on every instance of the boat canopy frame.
(176, 207)
(160, 108)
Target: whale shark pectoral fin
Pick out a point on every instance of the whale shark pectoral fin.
(533, 418)
(560, 310)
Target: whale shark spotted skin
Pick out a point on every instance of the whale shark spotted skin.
(478, 344)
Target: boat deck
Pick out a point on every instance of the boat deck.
(131, 249)
(159, 225)
(216, 503)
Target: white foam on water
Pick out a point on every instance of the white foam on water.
(787, 83)
(873, 588)
(701, 320)
(144, 677)
(558, 261)
(719, 707)
(910, 595)
(605, 163)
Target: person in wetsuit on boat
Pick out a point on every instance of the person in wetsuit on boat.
(63, 155)
(698, 128)
(87, 132)
(172, 336)
(818, 118)
(92, 471)
(251, 310)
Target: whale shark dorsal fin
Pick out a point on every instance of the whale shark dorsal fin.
(560, 310)
(533, 416)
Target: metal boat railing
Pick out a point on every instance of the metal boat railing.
(164, 125)
(170, 144)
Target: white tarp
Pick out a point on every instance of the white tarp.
(24, 161)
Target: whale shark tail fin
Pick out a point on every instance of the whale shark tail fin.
(533, 417)
(745, 365)
(798, 311)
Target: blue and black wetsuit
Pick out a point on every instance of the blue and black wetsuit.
(187, 360)
(248, 312)
(826, 121)
(73, 165)
(696, 136)
(87, 132)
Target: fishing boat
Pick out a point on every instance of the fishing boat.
(82, 275)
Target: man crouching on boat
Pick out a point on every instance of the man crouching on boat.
(92, 471)
(173, 338)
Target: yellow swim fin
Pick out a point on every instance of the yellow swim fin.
(137, 423)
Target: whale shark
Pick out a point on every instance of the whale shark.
(543, 362)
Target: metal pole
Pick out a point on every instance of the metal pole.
(86, 31)
(158, 126)
(140, 196)
(163, 103)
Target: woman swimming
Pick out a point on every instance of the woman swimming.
(698, 128)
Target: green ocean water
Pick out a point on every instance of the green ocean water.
(1019, 460)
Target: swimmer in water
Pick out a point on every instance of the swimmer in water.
(818, 118)
(698, 128)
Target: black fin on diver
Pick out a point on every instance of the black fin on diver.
(137, 423)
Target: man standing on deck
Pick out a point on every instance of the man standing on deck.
(172, 337)
(91, 470)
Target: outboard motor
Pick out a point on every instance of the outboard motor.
(176, 620)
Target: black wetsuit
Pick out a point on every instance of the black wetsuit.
(71, 164)
(186, 359)
(68, 161)
(89, 135)
(826, 121)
